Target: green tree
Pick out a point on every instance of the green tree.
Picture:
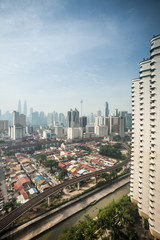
(63, 173)
(11, 205)
(116, 138)
(118, 216)
(112, 151)
(41, 158)
(51, 164)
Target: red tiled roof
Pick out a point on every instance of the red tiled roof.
(23, 192)
(61, 165)
(20, 182)
(87, 167)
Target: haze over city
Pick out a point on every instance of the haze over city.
(55, 53)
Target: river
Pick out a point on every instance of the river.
(92, 211)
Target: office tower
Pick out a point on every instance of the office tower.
(62, 119)
(99, 113)
(145, 152)
(99, 120)
(15, 117)
(83, 122)
(19, 106)
(122, 113)
(42, 119)
(25, 108)
(22, 120)
(8, 116)
(73, 118)
(55, 116)
(128, 121)
(116, 113)
(50, 119)
(91, 118)
(3, 125)
(115, 125)
(35, 119)
(69, 119)
(121, 126)
(106, 109)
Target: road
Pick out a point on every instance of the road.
(15, 214)
(3, 183)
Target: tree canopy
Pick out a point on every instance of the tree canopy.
(51, 164)
(41, 157)
(112, 151)
(118, 218)
(63, 173)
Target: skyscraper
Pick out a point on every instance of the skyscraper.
(22, 120)
(19, 106)
(73, 118)
(15, 117)
(35, 119)
(145, 152)
(25, 108)
(83, 122)
(106, 109)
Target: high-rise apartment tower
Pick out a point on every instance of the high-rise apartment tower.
(145, 151)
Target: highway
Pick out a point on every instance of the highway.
(15, 214)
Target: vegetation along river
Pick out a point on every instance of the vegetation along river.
(92, 211)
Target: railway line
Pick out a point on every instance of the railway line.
(15, 214)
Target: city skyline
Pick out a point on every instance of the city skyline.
(55, 53)
(31, 110)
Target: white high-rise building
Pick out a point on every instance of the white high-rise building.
(74, 133)
(99, 120)
(101, 131)
(145, 152)
(59, 131)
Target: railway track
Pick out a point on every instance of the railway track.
(15, 214)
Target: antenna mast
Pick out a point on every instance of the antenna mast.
(81, 106)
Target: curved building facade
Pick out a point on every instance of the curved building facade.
(145, 152)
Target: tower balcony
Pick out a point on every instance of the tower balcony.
(152, 168)
(152, 173)
(151, 210)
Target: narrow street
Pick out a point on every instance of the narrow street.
(3, 184)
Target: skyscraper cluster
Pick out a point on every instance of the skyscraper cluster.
(145, 152)
(24, 107)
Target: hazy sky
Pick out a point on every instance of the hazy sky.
(53, 53)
